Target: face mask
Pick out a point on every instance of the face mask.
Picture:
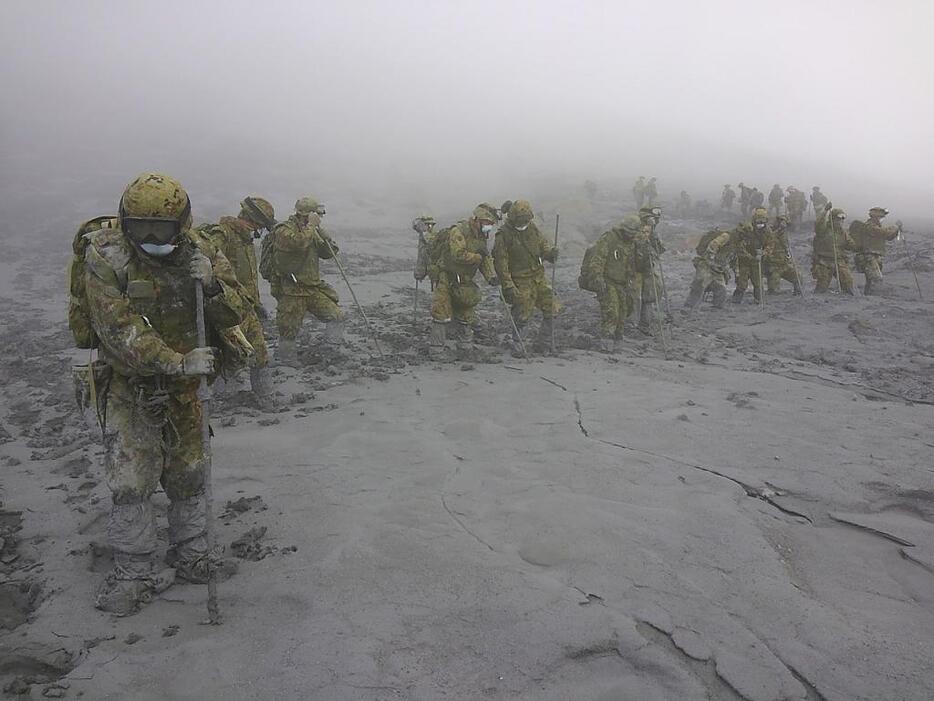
(760, 225)
(486, 228)
(522, 228)
(157, 250)
(320, 211)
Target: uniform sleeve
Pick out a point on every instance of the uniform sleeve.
(325, 244)
(291, 239)
(457, 245)
(123, 333)
(501, 259)
(549, 252)
(486, 268)
(891, 233)
(601, 252)
(226, 308)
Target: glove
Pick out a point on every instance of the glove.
(262, 312)
(494, 281)
(200, 361)
(200, 268)
(552, 255)
(484, 253)
(419, 275)
(509, 293)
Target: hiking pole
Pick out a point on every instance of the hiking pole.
(515, 328)
(204, 395)
(661, 277)
(366, 321)
(415, 307)
(554, 269)
(833, 240)
(911, 265)
(761, 286)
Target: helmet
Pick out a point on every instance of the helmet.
(485, 210)
(629, 225)
(307, 205)
(816, 188)
(653, 212)
(837, 213)
(504, 207)
(258, 211)
(760, 215)
(423, 222)
(878, 211)
(154, 209)
(520, 213)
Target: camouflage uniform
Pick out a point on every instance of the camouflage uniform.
(776, 195)
(142, 309)
(756, 198)
(744, 194)
(648, 284)
(830, 245)
(651, 192)
(818, 201)
(750, 241)
(870, 238)
(456, 294)
(711, 270)
(298, 245)
(424, 226)
(638, 191)
(617, 256)
(777, 264)
(519, 255)
(726, 199)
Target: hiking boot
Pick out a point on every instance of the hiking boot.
(124, 597)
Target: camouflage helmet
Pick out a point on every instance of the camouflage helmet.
(154, 209)
(631, 224)
(423, 221)
(504, 207)
(878, 211)
(306, 205)
(157, 196)
(259, 211)
(486, 211)
(520, 213)
(760, 214)
(653, 212)
(837, 213)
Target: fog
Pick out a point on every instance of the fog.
(438, 102)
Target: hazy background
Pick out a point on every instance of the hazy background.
(437, 102)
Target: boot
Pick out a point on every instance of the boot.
(738, 296)
(189, 553)
(261, 384)
(606, 345)
(543, 340)
(465, 331)
(437, 350)
(648, 318)
(287, 353)
(334, 332)
(719, 297)
(694, 298)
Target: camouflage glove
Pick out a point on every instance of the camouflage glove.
(201, 270)
(198, 361)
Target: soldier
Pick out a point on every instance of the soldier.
(140, 291)
(830, 245)
(638, 191)
(749, 241)
(744, 194)
(684, 205)
(647, 281)
(870, 237)
(776, 195)
(609, 269)
(234, 237)
(519, 256)
(756, 198)
(651, 192)
(712, 264)
(727, 197)
(777, 264)
(459, 252)
(298, 244)
(424, 227)
(818, 200)
(795, 204)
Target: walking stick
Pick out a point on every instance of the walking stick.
(554, 268)
(366, 321)
(515, 328)
(911, 265)
(204, 395)
(658, 317)
(415, 308)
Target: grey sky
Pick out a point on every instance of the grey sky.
(444, 92)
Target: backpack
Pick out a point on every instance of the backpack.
(587, 280)
(79, 317)
(701, 248)
(267, 263)
(438, 247)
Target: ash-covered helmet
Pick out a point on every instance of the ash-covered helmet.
(258, 211)
(878, 212)
(631, 225)
(760, 217)
(837, 213)
(307, 205)
(485, 211)
(423, 223)
(520, 213)
(653, 212)
(154, 209)
(504, 207)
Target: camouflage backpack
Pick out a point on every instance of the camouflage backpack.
(587, 280)
(79, 317)
(438, 248)
(701, 248)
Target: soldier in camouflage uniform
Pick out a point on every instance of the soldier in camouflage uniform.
(140, 292)
(870, 238)
(460, 252)
(519, 256)
(818, 200)
(776, 195)
(638, 191)
(750, 241)
(777, 264)
(830, 245)
(756, 198)
(617, 256)
(744, 194)
(298, 244)
(715, 254)
(647, 283)
(651, 192)
(727, 197)
(795, 205)
(234, 237)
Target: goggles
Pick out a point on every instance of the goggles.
(153, 230)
